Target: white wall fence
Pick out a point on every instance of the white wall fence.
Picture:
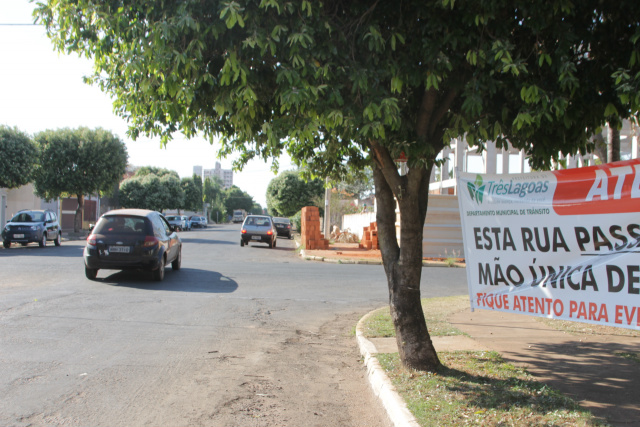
(356, 222)
(494, 160)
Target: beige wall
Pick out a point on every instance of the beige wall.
(21, 198)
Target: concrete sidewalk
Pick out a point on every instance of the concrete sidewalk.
(586, 367)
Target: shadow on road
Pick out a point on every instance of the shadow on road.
(184, 280)
(32, 249)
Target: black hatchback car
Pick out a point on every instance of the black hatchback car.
(132, 239)
(33, 225)
(283, 226)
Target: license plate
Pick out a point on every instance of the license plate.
(255, 237)
(120, 249)
(18, 236)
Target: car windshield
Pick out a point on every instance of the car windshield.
(281, 220)
(173, 218)
(119, 224)
(28, 217)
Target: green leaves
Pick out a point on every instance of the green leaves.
(18, 158)
(78, 161)
(231, 12)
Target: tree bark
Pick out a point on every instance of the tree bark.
(403, 263)
(77, 221)
(613, 148)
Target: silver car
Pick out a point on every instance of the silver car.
(258, 229)
(177, 222)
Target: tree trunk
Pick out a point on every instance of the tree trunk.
(613, 148)
(403, 264)
(77, 221)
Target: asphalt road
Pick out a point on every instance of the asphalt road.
(238, 336)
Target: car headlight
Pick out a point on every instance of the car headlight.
(34, 227)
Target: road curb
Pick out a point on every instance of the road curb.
(395, 405)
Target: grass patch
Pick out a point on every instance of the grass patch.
(631, 356)
(436, 312)
(480, 388)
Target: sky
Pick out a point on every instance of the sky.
(41, 89)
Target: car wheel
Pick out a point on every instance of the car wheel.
(6, 244)
(158, 273)
(175, 265)
(241, 242)
(91, 273)
(271, 243)
(275, 242)
(43, 241)
(58, 240)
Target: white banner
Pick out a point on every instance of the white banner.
(561, 244)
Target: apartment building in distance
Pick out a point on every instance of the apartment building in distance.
(225, 175)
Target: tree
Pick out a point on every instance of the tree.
(287, 193)
(148, 190)
(361, 83)
(79, 162)
(192, 193)
(18, 160)
(235, 198)
(257, 209)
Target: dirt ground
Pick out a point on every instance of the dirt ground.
(346, 251)
(320, 382)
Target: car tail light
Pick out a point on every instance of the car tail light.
(244, 231)
(269, 233)
(91, 240)
(288, 225)
(150, 241)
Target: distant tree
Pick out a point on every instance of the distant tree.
(150, 191)
(257, 209)
(212, 190)
(18, 159)
(288, 193)
(359, 184)
(235, 198)
(78, 161)
(197, 180)
(154, 170)
(192, 194)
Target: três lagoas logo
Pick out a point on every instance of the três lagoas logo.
(476, 189)
(479, 189)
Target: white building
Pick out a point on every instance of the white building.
(225, 175)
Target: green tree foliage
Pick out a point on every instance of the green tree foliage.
(288, 193)
(154, 170)
(212, 190)
(18, 159)
(235, 198)
(152, 188)
(192, 193)
(256, 209)
(358, 83)
(78, 162)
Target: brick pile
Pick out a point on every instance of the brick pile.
(311, 236)
(370, 237)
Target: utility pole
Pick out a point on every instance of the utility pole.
(327, 209)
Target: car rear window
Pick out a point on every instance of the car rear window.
(119, 224)
(281, 220)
